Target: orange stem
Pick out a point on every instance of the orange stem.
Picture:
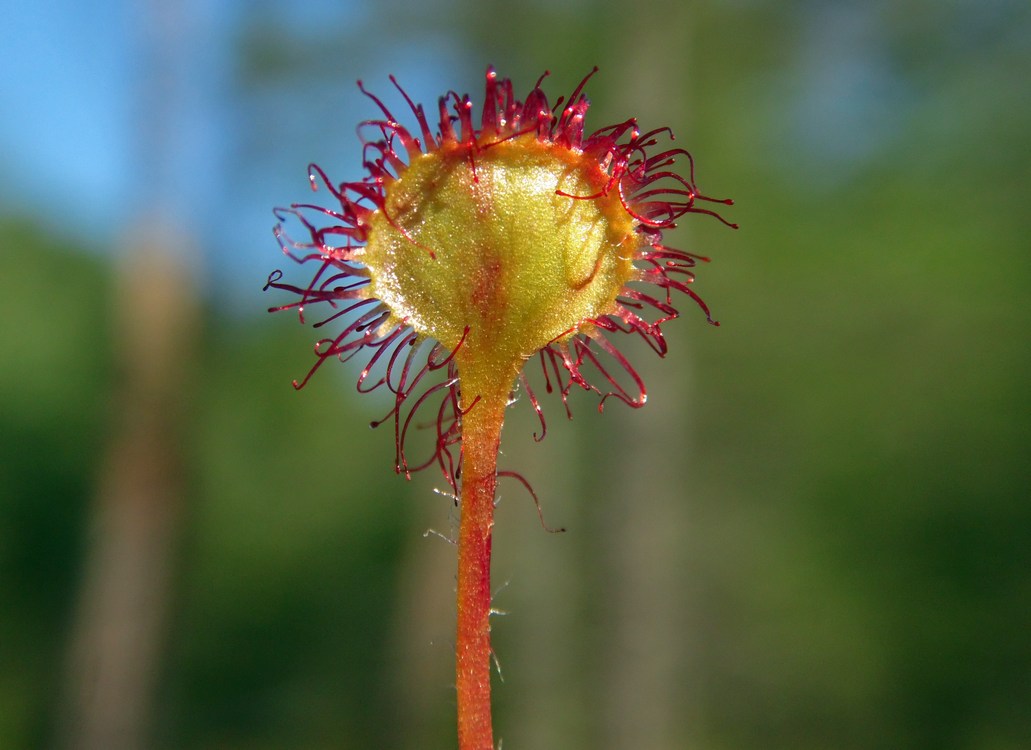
(481, 436)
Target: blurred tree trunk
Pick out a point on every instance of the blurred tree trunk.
(540, 581)
(117, 637)
(118, 634)
(645, 522)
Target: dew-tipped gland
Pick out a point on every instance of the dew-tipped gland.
(510, 248)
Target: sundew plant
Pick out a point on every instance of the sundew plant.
(473, 249)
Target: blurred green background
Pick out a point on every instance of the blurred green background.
(816, 535)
